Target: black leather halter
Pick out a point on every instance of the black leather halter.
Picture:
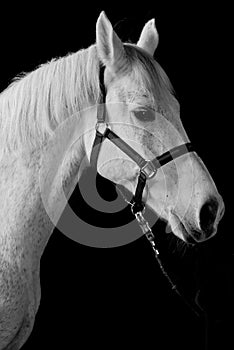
(148, 168)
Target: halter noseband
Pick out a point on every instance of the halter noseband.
(148, 168)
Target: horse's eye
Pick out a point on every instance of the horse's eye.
(145, 115)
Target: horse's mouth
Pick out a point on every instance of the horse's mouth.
(188, 237)
(179, 229)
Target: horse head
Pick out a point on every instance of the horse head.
(142, 110)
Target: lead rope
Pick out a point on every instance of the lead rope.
(144, 225)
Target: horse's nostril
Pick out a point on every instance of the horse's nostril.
(208, 215)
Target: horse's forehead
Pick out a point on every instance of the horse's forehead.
(128, 91)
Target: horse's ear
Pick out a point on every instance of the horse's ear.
(149, 37)
(109, 47)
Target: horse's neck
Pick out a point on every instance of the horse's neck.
(19, 193)
(89, 117)
(46, 178)
(65, 158)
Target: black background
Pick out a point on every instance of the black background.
(105, 297)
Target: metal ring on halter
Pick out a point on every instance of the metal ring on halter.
(137, 208)
(101, 127)
(151, 169)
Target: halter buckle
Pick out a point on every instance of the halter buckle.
(149, 169)
(101, 127)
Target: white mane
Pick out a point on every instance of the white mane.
(36, 103)
(33, 105)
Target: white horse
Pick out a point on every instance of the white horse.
(33, 107)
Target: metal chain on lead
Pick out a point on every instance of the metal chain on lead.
(144, 225)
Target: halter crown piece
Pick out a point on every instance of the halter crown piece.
(147, 170)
